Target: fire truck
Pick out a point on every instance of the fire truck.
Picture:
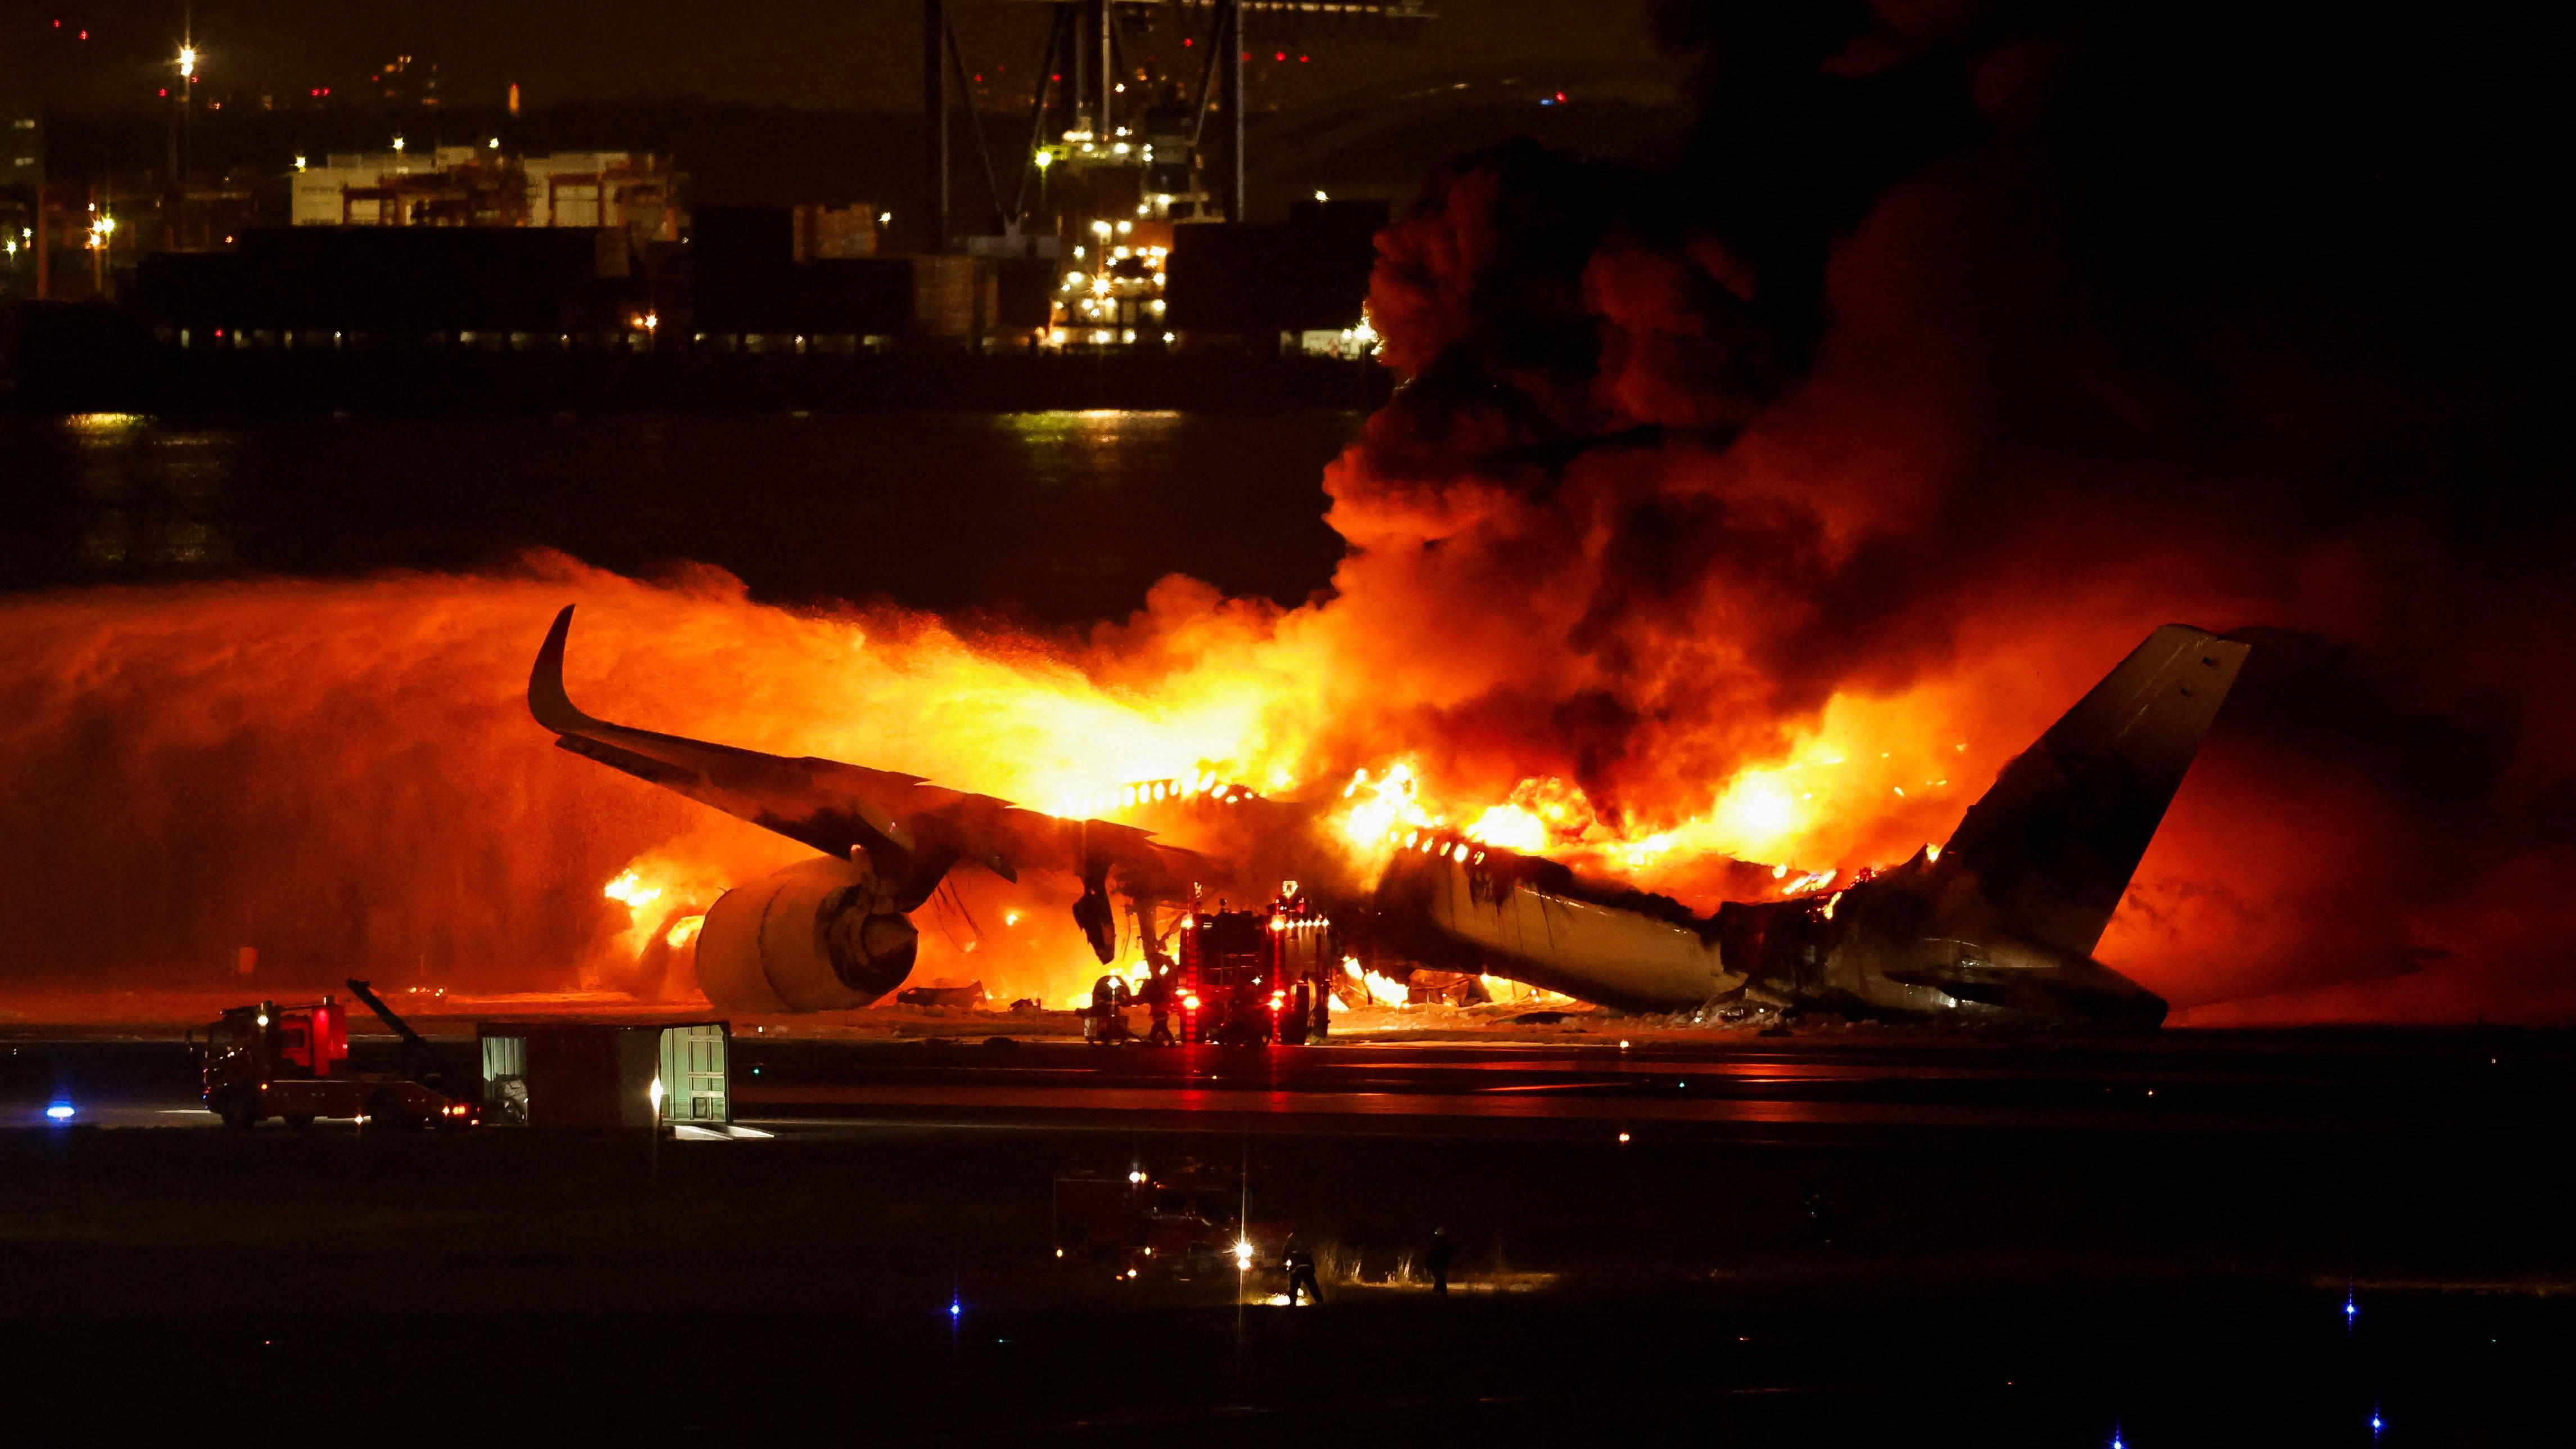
(1189, 1222)
(1240, 972)
(292, 1063)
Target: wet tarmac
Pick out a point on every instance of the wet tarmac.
(2192, 1238)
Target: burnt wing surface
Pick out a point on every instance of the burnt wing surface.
(2054, 842)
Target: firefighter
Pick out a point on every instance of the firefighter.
(1301, 1010)
(1301, 1272)
(1323, 1012)
(1101, 1025)
(1442, 1250)
(1158, 997)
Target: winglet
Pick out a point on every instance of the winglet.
(546, 698)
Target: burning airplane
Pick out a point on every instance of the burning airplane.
(1998, 924)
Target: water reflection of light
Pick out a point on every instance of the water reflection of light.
(150, 497)
(1085, 424)
(103, 424)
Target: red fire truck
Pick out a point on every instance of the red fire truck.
(1240, 972)
(292, 1063)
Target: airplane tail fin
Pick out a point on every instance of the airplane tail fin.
(2054, 842)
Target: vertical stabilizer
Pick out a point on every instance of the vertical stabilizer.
(2054, 843)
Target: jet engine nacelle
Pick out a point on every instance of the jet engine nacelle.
(821, 935)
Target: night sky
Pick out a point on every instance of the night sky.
(860, 54)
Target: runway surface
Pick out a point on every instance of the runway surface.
(1735, 1084)
(2199, 1238)
(1825, 1087)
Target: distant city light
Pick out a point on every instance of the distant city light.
(299, 163)
(1320, 196)
(398, 143)
(493, 144)
(885, 218)
(187, 62)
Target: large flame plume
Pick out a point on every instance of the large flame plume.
(1733, 528)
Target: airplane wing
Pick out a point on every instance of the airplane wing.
(838, 808)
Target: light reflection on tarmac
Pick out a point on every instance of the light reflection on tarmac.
(1833, 1083)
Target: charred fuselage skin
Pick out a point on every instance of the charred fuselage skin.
(1881, 948)
(1998, 925)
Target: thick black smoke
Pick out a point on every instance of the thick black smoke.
(1972, 341)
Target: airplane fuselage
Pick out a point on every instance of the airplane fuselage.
(1908, 943)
